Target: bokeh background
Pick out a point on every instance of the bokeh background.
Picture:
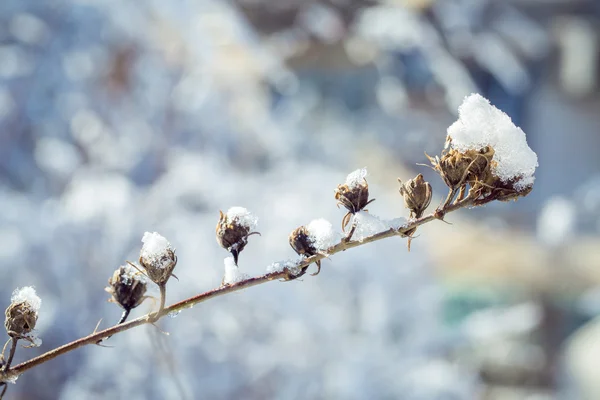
(120, 117)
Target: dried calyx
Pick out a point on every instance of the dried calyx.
(234, 228)
(127, 287)
(157, 257)
(353, 194)
(458, 169)
(417, 195)
(315, 238)
(303, 244)
(22, 314)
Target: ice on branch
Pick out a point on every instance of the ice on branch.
(232, 272)
(368, 225)
(397, 223)
(356, 178)
(243, 217)
(28, 295)
(480, 124)
(287, 265)
(321, 234)
(154, 249)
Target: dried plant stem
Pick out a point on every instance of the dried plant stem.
(11, 354)
(124, 316)
(220, 291)
(163, 297)
(348, 237)
(449, 199)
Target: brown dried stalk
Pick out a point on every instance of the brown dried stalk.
(12, 373)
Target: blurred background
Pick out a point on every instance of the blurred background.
(120, 117)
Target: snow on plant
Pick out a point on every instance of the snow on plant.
(157, 257)
(353, 194)
(315, 238)
(232, 272)
(243, 217)
(21, 318)
(486, 159)
(321, 234)
(234, 228)
(481, 125)
(487, 152)
(287, 265)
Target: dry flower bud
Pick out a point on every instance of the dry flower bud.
(127, 287)
(354, 194)
(457, 168)
(157, 257)
(234, 228)
(417, 195)
(302, 243)
(22, 314)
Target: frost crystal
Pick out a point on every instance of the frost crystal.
(154, 248)
(243, 217)
(321, 234)
(279, 266)
(27, 294)
(368, 225)
(481, 124)
(129, 273)
(232, 272)
(356, 178)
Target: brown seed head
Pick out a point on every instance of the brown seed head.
(301, 242)
(158, 258)
(232, 234)
(457, 168)
(417, 195)
(127, 287)
(20, 319)
(303, 245)
(355, 198)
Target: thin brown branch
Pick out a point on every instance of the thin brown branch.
(220, 291)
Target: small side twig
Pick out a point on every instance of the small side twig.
(163, 297)
(11, 354)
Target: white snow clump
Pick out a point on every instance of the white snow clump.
(481, 124)
(321, 234)
(356, 178)
(232, 272)
(367, 225)
(280, 266)
(154, 248)
(243, 217)
(27, 294)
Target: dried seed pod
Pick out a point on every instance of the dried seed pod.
(157, 257)
(22, 314)
(417, 195)
(234, 228)
(459, 168)
(127, 287)
(302, 243)
(354, 194)
(452, 167)
(481, 163)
